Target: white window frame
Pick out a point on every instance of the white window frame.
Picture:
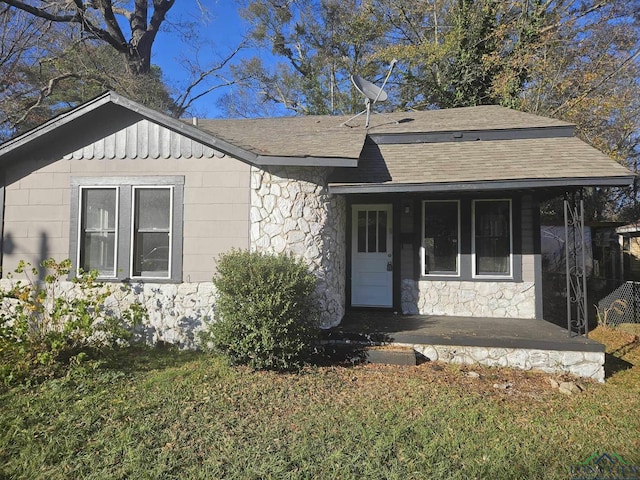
(134, 188)
(423, 272)
(475, 274)
(81, 207)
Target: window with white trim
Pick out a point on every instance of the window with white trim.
(441, 237)
(129, 227)
(98, 230)
(151, 232)
(492, 238)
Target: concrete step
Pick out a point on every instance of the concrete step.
(390, 356)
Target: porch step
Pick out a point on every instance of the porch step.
(390, 356)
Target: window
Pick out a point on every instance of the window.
(372, 231)
(441, 238)
(99, 207)
(492, 238)
(129, 227)
(152, 232)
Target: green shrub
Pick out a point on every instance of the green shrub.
(47, 325)
(265, 316)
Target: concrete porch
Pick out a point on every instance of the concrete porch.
(506, 342)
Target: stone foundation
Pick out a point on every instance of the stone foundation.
(582, 364)
(176, 312)
(469, 299)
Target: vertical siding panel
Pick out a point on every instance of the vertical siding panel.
(186, 144)
(87, 151)
(98, 153)
(175, 145)
(196, 149)
(110, 146)
(132, 141)
(121, 144)
(165, 143)
(143, 139)
(154, 140)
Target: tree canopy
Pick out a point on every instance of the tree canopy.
(99, 20)
(574, 60)
(56, 54)
(577, 61)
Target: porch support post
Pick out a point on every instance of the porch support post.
(575, 264)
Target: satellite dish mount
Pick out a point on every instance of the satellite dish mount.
(372, 94)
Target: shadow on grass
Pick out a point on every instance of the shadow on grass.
(344, 355)
(613, 365)
(144, 359)
(347, 347)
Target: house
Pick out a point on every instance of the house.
(620, 302)
(629, 239)
(432, 212)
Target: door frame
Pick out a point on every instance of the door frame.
(395, 213)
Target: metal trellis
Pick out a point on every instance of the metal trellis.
(577, 313)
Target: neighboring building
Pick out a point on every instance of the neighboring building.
(435, 214)
(630, 240)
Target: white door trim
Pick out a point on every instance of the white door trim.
(372, 255)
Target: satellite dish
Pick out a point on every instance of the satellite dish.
(368, 89)
(372, 93)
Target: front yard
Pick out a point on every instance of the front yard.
(163, 414)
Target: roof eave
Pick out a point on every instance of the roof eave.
(305, 161)
(473, 135)
(52, 124)
(482, 185)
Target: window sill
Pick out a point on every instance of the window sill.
(449, 278)
(137, 280)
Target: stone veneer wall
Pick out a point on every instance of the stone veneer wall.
(581, 364)
(176, 312)
(292, 211)
(464, 298)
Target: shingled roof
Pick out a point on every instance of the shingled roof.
(326, 136)
(495, 164)
(484, 147)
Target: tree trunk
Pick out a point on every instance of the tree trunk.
(144, 33)
(139, 55)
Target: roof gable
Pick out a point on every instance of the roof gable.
(87, 125)
(144, 139)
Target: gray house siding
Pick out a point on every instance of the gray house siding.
(38, 205)
(39, 214)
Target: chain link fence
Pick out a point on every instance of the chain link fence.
(620, 306)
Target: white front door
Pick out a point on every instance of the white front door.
(371, 256)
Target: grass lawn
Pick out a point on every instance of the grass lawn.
(163, 414)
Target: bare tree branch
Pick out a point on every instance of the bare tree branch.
(44, 93)
(185, 100)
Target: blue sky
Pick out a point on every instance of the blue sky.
(222, 32)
